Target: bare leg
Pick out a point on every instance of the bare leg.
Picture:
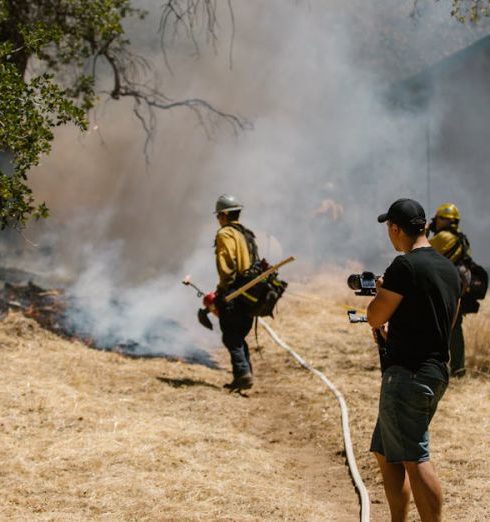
(426, 490)
(397, 488)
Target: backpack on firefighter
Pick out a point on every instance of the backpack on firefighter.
(473, 275)
(261, 299)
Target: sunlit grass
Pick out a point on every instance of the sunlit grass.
(477, 339)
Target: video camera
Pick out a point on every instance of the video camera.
(364, 284)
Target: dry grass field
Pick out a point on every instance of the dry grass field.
(88, 435)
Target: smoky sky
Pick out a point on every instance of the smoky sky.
(325, 156)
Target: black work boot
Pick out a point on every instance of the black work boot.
(244, 382)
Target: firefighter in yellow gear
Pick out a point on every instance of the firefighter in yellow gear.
(449, 241)
(446, 239)
(235, 251)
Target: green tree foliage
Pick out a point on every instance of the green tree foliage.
(465, 10)
(29, 110)
(470, 10)
(51, 52)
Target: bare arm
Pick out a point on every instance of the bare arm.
(383, 306)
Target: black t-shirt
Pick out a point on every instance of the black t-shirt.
(420, 328)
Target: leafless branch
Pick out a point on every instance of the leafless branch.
(127, 68)
(415, 11)
(189, 15)
(150, 100)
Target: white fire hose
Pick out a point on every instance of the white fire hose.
(351, 461)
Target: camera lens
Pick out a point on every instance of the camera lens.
(354, 281)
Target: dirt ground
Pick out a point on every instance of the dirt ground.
(89, 435)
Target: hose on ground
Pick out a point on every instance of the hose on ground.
(351, 461)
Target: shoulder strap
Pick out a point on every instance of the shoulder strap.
(249, 239)
(465, 244)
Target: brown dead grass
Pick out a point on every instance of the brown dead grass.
(477, 338)
(87, 435)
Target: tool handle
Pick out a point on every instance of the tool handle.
(257, 279)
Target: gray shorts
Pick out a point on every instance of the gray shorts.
(407, 403)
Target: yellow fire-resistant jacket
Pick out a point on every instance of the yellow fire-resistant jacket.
(445, 242)
(232, 255)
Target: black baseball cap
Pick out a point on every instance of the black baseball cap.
(406, 213)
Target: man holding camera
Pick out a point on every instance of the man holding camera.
(418, 297)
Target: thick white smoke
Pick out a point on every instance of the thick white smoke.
(326, 155)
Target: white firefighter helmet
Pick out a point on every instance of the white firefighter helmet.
(227, 203)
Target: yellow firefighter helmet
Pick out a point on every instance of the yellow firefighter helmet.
(448, 211)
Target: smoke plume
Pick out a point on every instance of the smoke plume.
(313, 79)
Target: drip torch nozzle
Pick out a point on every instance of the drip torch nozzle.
(187, 281)
(209, 302)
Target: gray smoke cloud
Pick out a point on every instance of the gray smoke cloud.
(327, 154)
